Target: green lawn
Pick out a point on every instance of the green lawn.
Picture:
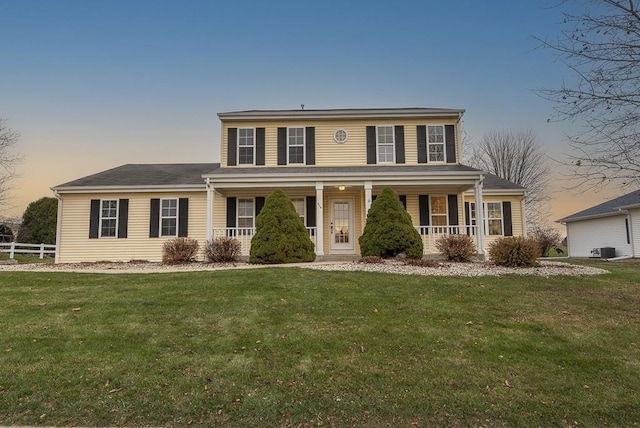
(296, 347)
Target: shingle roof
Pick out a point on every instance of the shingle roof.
(146, 175)
(191, 174)
(608, 208)
(341, 113)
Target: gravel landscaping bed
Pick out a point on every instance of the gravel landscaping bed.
(546, 268)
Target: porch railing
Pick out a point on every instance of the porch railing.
(431, 234)
(245, 234)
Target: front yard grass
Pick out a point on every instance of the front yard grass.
(297, 347)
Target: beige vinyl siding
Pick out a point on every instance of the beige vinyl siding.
(328, 152)
(75, 245)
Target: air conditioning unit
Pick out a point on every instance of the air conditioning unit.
(595, 252)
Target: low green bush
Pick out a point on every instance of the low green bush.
(222, 250)
(456, 248)
(179, 250)
(514, 251)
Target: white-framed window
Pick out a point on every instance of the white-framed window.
(300, 206)
(295, 143)
(385, 142)
(245, 213)
(494, 218)
(108, 218)
(435, 143)
(493, 224)
(439, 214)
(168, 217)
(246, 146)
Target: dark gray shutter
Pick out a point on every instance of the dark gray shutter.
(282, 146)
(403, 201)
(467, 217)
(423, 203)
(422, 143)
(259, 204)
(183, 217)
(260, 146)
(371, 144)
(453, 209)
(123, 217)
(310, 142)
(399, 131)
(94, 218)
(231, 215)
(508, 223)
(232, 146)
(450, 142)
(154, 218)
(311, 211)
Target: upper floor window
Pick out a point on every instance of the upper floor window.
(295, 139)
(246, 146)
(435, 143)
(109, 218)
(385, 144)
(169, 217)
(439, 210)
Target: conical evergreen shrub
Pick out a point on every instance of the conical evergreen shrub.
(389, 230)
(280, 237)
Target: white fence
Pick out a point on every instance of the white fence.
(14, 248)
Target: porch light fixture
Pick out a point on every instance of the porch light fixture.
(341, 188)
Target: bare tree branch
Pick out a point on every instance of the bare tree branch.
(8, 159)
(601, 48)
(516, 156)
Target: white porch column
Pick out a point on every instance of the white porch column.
(368, 186)
(479, 217)
(319, 218)
(210, 198)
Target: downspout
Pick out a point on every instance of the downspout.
(58, 226)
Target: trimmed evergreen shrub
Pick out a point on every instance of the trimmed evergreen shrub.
(179, 250)
(456, 248)
(389, 230)
(280, 237)
(514, 251)
(220, 250)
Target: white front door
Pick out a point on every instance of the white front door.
(341, 227)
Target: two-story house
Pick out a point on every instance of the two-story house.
(331, 163)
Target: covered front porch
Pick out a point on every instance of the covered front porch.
(334, 204)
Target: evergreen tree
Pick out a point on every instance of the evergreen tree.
(389, 230)
(39, 222)
(281, 236)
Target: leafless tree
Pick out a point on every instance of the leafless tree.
(516, 156)
(601, 47)
(8, 159)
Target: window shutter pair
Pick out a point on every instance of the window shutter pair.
(449, 139)
(506, 213)
(425, 214)
(232, 204)
(232, 146)
(183, 218)
(94, 218)
(372, 144)
(309, 149)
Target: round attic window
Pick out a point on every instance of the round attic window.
(340, 136)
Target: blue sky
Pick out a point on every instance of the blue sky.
(91, 85)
